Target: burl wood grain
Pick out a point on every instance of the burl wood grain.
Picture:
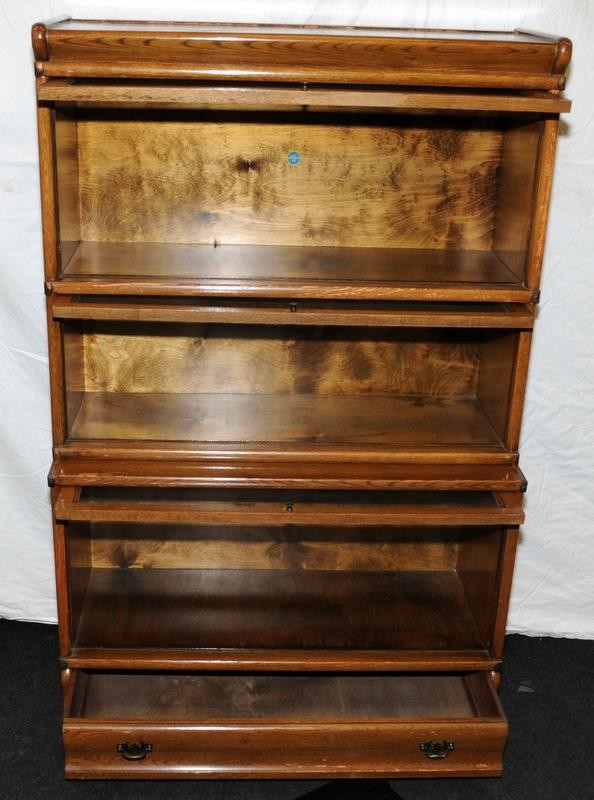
(264, 384)
(287, 547)
(197, 178)
(207, 359)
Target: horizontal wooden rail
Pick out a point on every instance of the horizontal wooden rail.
(279, 660)
(269, 514)
(299, 313)
(198, 96)
(118, 471)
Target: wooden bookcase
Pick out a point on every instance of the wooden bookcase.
(291, 277)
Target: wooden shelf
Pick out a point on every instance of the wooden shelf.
(282, 419)
(150, 268)
(206, 608)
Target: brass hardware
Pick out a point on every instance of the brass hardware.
(437, 749)
(134, 751)
(293, 306)
(289, 507)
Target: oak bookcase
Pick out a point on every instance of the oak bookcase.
(291, 277)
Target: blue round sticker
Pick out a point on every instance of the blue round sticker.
(293, 158)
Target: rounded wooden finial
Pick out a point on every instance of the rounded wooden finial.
(39, 41)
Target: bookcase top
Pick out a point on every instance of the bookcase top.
(122, 49)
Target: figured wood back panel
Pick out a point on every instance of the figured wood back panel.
(288, 179)
(254, 359)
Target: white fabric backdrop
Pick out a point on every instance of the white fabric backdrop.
(554, 585)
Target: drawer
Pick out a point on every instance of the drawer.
(281, 579)
(191, 725)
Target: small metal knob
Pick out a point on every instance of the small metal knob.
(134, 751)
(437, 749)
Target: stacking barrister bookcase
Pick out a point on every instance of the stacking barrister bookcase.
(291, 277)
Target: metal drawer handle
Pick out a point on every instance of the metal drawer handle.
(437, 749)
(134, 751)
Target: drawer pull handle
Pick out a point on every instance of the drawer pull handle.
(134, 751)
(437, 749)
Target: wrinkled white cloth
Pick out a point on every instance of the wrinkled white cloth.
(554, 582)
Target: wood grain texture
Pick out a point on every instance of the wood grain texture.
(283, 420)
(316, 54)
(275, 508)
(60, 395)
(220, 359)
(192, 95)
(246, 726)
(270, 263)
(278, 660)
(160, 189)
(278, 698)
(296, 751)
(62, 577)
(289, 547)
(298, 313)
(132, 268)
(153, 469)
(48, 186)
(423, 610)
(178, 177)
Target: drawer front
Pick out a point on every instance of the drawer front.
(284, 751)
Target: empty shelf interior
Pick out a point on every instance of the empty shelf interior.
(279, 264)
(303, 199)
(288, 609)
(315, 386)
(303, 419)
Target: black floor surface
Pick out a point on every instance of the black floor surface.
(546, 691)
